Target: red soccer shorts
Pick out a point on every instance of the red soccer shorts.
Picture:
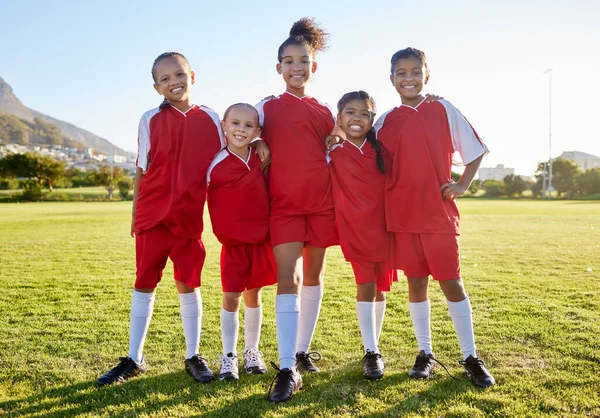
(152, 249)
(374, 272)
(247, 266)
(421, 255)
(316, 230)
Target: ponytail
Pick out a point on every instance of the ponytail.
(306, 32)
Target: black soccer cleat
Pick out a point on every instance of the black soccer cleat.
(285, 384)
(372, 365)
(198, 368)
(304, 361)
(477, 373)
(423, 367)
(124, 370)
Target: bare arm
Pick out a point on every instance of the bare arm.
(136, 189)
(452, 190)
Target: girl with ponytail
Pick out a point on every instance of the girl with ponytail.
(302, 220)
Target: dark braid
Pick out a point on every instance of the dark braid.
(372, 138)
(371, 135)
(165, 103)
(163, 56)
(308, 33)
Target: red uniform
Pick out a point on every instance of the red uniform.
(422, 141)
(238, 202)
(175, 151)
(358, 195)
(299, 182)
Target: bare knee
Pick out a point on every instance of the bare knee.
(366, 292)
(252, 298)
(454, 290)
(418, 289)
(231, 301)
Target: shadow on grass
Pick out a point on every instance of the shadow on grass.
(338, 391)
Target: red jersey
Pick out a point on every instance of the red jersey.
(175, 150)
(238, 199)
(358, 195)
(295, 129)
(422, 141)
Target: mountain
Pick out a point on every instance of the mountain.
(11, 104)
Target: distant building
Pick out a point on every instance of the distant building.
(117, 159)
(584, 160)
(494, 173)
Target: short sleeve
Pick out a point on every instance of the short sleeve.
(144, 139)
(260, 108)
(465, 140)
(217, 121)
(380, 121)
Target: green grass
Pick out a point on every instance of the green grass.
(531, 270)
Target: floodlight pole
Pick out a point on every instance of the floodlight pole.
(549, 71)
(544, 180)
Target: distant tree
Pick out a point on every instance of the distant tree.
(49, 171)
(105, 176)
(493, 188)
(475, 186)
(455, 176)
(514, 185)
(43, 169)
(80, 178)
(125, 184)
(563, 176)
(588, 182)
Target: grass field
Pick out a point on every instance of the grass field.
(531, 269)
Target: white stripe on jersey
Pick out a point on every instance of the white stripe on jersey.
(379, 124)
(215, 117)
(464, 139)
(144, 139)
(221, 155)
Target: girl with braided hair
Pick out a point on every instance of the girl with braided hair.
(358, 181)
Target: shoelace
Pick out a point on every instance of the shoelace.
(254, 357)
(279, 371)
(478, 369)
(441, 364)
(226, 363)
(313, 355)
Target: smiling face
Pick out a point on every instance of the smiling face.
(355, 119)
(408, 77)
(296, 67)
(240, 128)
(172, 79)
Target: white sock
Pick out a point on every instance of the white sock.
(287, 316)
(463, 324)
(190, 306)
(366, 322)
(379, 315)
(310, 306)
(252, 325)
(230, 324)
(142, 306)
(420, 313)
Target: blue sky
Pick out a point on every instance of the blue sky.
(88, 62)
